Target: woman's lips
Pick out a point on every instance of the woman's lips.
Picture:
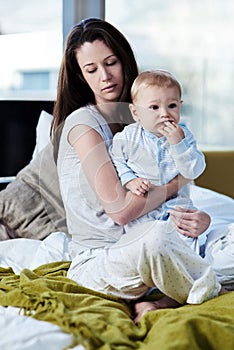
(109, 88)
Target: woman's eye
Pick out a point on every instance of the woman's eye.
(91, 70)
(111, 63)
(154, 107)
(172, 105)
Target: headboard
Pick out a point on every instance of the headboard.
(219, 172)
(18, 121)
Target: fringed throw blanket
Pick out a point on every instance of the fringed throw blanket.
(99, 322)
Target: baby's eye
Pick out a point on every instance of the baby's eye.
(172, 105)
(154, 107)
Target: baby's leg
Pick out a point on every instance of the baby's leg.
(148, 256)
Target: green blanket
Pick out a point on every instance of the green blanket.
(99, 322)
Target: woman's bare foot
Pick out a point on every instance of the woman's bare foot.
(141, 308)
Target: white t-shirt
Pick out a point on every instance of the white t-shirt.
(87, 222)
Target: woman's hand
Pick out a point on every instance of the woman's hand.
(190, 222)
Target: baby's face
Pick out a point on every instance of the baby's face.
(155, 105)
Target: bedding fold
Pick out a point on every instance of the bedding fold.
(99, 322)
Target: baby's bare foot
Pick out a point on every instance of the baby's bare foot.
(141, 308)
(223, 291)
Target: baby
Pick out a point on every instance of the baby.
(157, 147)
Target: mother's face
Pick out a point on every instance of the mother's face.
(102, 71)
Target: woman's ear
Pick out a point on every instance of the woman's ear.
(134, 113)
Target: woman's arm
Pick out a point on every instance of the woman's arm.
(121, 205)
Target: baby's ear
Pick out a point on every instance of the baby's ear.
(133, 110)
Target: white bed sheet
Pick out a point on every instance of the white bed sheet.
(18, 332)
(25, 333)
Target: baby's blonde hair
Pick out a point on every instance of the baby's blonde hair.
(158, 77)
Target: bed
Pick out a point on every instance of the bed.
(42, 309)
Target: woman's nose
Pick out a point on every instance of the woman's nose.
(105, 75)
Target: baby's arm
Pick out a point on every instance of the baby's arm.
(190, 162)
(138, 186)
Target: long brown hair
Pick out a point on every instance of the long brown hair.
(73, 92)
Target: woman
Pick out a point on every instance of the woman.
(97, 71)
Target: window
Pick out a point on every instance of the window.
(194, 40)
(32, 33)
(31, 44)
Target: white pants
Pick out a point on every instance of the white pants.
(219, 253)
(150, 255)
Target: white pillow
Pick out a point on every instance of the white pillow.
(217, 205)
(42, 132)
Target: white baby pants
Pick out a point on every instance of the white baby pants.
(149, 255)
